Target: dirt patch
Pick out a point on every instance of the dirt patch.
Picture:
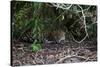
(69, 52)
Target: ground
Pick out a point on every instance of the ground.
(70, 52)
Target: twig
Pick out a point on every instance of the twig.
(87, 59)
(62, 6)
(84, 21)
(69, 56)
(84, 9)
(40, 60)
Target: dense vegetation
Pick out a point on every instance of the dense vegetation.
(49, 33)
(30, 21)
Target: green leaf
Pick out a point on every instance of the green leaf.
(36, 47)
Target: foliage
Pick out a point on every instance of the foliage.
(36, 46)
(77, 24)
(21, 18)
(36, 18)
(26, 17)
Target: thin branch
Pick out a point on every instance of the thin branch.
(69, 56)
(84, 9)
(62, 6)
(66, 7)
(84, 21)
